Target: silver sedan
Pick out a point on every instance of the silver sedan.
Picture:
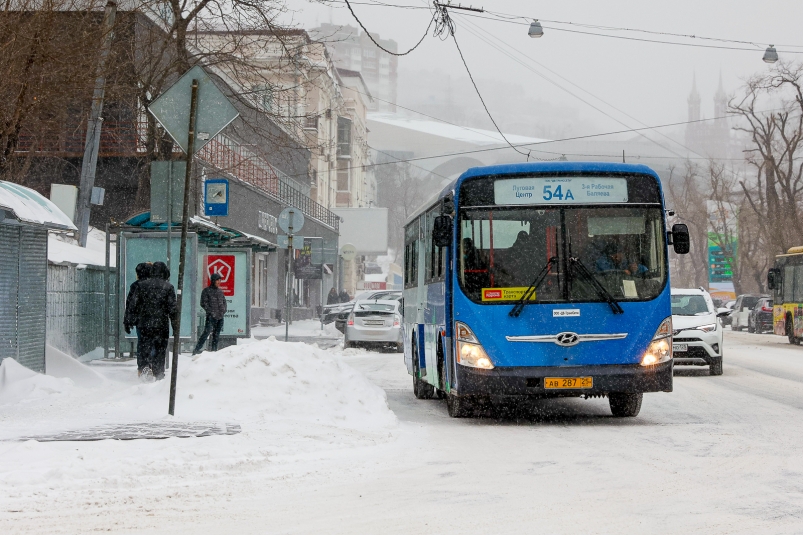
(375, 322)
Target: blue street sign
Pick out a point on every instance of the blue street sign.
(216, 197)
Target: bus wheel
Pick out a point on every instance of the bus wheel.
(625, 405)
(790, 331)
(459, 407)
(421, 389)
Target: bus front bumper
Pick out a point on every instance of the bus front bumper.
(529, 381)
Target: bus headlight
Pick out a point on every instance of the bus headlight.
(660, 349)
(469, 350)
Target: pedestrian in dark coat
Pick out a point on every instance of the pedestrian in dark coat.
(213, 301)
(344, 296)
(332, 298)
(130, 320)
(155, 308)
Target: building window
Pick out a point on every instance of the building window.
(263, 95)
(343, 137)
(343, 182)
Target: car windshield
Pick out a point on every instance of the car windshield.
(502, 250)
(749, 301)
(689, 305)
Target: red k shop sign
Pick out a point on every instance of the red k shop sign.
(223, 265)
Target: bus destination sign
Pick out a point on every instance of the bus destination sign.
(560, 190)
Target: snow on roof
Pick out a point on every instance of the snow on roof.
(31, 207)
(63, 249)
(475, 136)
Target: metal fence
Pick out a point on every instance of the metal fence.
(76, 307)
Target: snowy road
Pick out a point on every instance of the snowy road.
(718, 455)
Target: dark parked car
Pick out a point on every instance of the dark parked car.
(741, 310)
(760, 318)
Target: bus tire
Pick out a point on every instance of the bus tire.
(458, 406)
(440, 391)
(715, 367)
(421, 389)
(625, 405)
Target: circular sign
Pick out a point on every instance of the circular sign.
(291, 218)
(348, 252)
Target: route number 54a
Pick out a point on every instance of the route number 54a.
(557, 193)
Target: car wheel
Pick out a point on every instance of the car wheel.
(715, 367)
(750, 328)
(399, 347)
(421, 389)
(459, 406)
(625, 405)
(733, 326)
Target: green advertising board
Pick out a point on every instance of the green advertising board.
(152, 247)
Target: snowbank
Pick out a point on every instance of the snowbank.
(293, 401)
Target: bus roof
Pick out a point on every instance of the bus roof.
(533, 167)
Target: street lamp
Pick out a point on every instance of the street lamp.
(536, 30)
(770, 55)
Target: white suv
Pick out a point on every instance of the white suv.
(697, 330)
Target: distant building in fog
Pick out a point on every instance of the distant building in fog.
(354, 51)
(708, 138)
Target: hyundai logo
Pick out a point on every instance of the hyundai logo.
(567, 339)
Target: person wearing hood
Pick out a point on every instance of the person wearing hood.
(155, 308)
(344, 296)
(130, 319)
(332, 298)
(213, 301)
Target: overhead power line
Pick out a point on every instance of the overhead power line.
(371, 37)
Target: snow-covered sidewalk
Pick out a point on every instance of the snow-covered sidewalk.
(291, 400)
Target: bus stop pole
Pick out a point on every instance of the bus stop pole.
(287, 287)
(182, 248)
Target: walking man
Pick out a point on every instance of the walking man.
(214, 304)
(130, 320)
(155, 307)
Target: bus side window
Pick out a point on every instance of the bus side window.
(788, 284)
(798, 283)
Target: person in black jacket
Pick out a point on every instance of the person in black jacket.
(155, 309)
(344, 296)
(214, 304)
(130, 320)
(332, 298)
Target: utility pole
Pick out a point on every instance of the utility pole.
(92, 144)
(183, 248)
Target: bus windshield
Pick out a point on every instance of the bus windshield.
(503, 249)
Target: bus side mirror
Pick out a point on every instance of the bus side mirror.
(773, 278)
(680, 238)
(442, 231)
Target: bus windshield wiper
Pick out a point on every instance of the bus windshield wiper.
(530, 291)
(600, 289)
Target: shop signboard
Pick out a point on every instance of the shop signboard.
(309, 259)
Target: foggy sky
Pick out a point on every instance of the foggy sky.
(648, 81)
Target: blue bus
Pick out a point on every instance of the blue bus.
(541, 280)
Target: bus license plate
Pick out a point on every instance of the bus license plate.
(568, 382)
(680, 348)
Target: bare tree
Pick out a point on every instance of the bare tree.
(400, 188)
(687, 197)
(777, 139)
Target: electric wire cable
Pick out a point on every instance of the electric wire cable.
(371, 37)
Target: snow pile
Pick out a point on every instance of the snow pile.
(63, 247)
(28, 205)
(270, 380)
(60, 364)
(18, 384)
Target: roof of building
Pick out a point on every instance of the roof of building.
(28, 206)
(474, 136)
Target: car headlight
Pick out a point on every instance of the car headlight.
(660, 349)
(469, 350)
(707, 328)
